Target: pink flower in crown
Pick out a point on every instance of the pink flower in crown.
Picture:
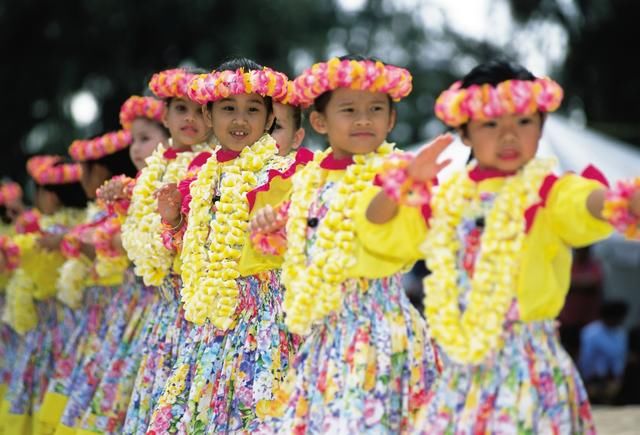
(257, 81)
(521, 95)
(343, 74)
(493, 105)
(234, 81)
(371, 74)
(471, 104)
(550, 96)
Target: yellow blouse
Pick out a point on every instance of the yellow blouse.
(370, 263)
(561, 223)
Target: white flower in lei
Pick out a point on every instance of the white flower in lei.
(141, 231)
(314, 285)
(469, 337)
(212, 246)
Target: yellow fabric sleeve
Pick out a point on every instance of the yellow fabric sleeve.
(398, 240)
(568, 214)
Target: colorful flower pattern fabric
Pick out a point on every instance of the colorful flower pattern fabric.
(222, 380)
(167, 332)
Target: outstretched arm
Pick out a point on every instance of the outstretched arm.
(422, 169)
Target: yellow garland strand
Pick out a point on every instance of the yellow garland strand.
(469, 337)
(72, 280)
(141, 231)
(20, 311)
(209, 274)
(313, 287)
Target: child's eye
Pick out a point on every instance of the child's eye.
(347, 109)
(254, 109)
(377, 108)
(490, 124)
(227, 108)
(525, 121)
(277, 126)
(181, 108)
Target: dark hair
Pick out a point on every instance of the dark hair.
(297, 117)
(4, 216)
(322, 100)
(247, 65)
(495, 72)
(69, 194)
(613, 313)
(117, 163)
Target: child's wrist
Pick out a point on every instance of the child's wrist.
(399, 186)
(621, 207)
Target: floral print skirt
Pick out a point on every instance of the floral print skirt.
(529, 386)
(224, 378)
(366, 369)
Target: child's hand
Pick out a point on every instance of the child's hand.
(50, 242)
(266, 220)
(424, 166)
(634, 204)
(169, 203)
(111, 190)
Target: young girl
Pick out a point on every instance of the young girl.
(80, 288)
(497, 238)
(142, 238)
(287, 128)
(134, 303)
(31, 309)
(237, 351)
(366, 363)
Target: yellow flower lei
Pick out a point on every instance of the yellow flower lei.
(72, 280)
(469, 337)
(209, 275)
(20, 311)
(313, 288)
(142, 229)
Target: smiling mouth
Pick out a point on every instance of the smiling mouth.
(239, 134)
(189, 130)
(362, 134)
(509, 154)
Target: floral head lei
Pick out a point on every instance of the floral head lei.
(99, 147)
(206, 88)
(9, 192)
(364, 75)
(457, 105)
(172, 83)
(48, 170)
(141, 107)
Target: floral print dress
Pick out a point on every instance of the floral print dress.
(366, 368)
(529, 386)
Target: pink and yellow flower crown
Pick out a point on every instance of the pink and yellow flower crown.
(9, 192)
(364, 75)
(172, 83)
(206, 88)
(141, 107)
(96, 148)
(457, 106)
(49, 170)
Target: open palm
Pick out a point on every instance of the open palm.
(425, 165)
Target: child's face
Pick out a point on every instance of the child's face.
(146, 134)
(185, 123)
(505, 143)
(45, 201)
(284, 132)
(356, 122)
(93, 176)
(239, 120)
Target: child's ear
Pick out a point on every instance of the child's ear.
(270, 120)
(207, 115)
(464, 137)
(393, 116)
(298, 137)
(318, 122)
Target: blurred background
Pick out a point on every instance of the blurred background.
(68, 66)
